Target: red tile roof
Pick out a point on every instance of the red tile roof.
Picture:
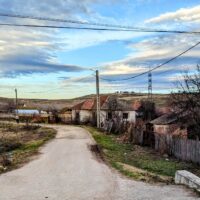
(136, 105)
(77, 106)
(90, 104)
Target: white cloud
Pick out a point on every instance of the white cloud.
(26, 50)
(153, 52)
(182, 15)
(76, 40)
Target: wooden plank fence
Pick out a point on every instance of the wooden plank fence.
(183, 149)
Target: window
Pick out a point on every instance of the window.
(109, 116)
(125, 115)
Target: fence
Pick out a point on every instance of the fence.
(183, 149)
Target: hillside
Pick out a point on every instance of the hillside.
(159, 99)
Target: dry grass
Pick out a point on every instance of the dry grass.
(19, 142)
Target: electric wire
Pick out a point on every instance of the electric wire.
(155, 68)
(120, 27)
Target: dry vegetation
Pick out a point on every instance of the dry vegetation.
(19, 142)
(160, 100)
(140, 163)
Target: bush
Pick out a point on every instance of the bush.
(9, 145)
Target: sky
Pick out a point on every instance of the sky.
(61, 64)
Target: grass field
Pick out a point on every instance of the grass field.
(140, 163)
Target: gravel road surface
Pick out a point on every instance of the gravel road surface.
(67, 170)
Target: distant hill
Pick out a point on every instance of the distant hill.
(159, 99)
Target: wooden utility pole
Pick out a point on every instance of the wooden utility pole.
(98, 99)
(16, 101)
(150, 85)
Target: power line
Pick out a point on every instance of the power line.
(98, 29)
(120, 27)
(62, 20)
(153, 69)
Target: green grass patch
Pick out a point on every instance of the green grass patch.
(140, 157)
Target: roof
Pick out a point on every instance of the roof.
(77, 106)
(136, 105)
(23, 111)
(89, 104)
(165, 119)
(113, 103)
(108, 103)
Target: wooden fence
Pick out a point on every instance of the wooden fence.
(183, 149)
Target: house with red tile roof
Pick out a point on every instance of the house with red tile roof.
(112, 108)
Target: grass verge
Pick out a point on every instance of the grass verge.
(19, 143)
(137, 162)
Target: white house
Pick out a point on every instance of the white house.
(112, 108)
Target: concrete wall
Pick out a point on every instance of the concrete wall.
(131, 115)
(85, 116)
(186, 178)
(74, 115)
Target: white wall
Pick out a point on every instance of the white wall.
(85, 116)
(131, 115)
(74, 115)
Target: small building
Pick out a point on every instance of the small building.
(32, 115)
(85, 112)
(65, 115)
(120, 110)
(164, 129)
(168, 124)
(112, 108)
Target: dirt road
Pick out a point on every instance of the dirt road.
(67, 170)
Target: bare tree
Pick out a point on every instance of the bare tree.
(186, 102)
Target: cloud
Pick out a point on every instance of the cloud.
(182, 15)
(149, 53)
(75, 40)
(26, 51)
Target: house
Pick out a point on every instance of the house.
(112, 108)
(85, 112)
(119, 110)
(163, 130)
(65, 115)
(167, 124)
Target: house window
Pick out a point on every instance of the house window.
(109, 115)
(125, 115)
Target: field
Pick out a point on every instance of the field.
(19, 142)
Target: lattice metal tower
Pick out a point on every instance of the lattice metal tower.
(150, 85)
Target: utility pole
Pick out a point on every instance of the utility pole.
(98, 98)
(150, 85)
(16, 101)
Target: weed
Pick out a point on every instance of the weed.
(154, 166)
